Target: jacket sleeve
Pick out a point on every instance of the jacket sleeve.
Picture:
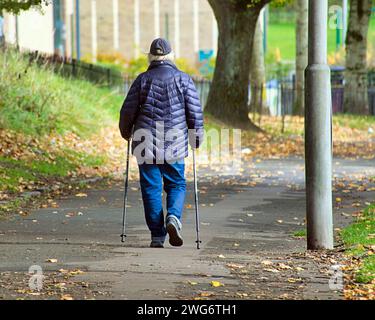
(129, 110)
(194, 115)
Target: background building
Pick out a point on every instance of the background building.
(31, 30)
(116, 26)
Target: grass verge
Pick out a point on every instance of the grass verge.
(300, 233)
(282, 36)
(36, 101)
(359, 239)
(50, 127)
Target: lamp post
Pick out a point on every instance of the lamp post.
(318, 132)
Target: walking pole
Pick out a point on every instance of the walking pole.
(123, 235)
(197, 222)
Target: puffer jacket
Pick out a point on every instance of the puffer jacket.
(162, 113)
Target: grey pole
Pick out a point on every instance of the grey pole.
(78, 30)
(344, 20)
(318, 132)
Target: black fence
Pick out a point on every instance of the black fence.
(278, 96)
(75, 69)
(99, 75)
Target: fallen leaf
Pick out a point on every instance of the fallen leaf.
(206, 294)
(284, 266)
(51, 260)
(299, 269)
(235, 266)
(76, 272)
(81, 195)
(272, 270)
(63, 271)
(216, 284)
(102, 200)
(69, 215)
(242, 295)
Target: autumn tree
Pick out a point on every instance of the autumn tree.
(257, 70)
(228, 98)
(356, 82)
(301, 54)
(16, 6)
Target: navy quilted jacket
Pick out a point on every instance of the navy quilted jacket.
(162, 113)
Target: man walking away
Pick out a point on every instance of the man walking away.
(163, 114)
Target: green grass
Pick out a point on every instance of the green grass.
(36, 101)
(282, 36)
(356, 237)
(84, 159)
(300, 233)
(13, 172)
(371, 31)
(366, 274)
(354, 121)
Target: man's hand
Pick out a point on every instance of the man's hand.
(195, 138)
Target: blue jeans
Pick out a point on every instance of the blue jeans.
(152, 177)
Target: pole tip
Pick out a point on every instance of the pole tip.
(123, 236)
(198, 242)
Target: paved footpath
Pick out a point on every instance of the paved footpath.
(247, 224)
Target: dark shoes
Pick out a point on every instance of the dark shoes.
(173, 229)
(157, 244)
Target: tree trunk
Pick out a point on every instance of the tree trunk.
(258, 72)
(301, 54)
(356, 82)
(228, 97)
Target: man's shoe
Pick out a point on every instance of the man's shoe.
(157, 242)
(173, 229)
